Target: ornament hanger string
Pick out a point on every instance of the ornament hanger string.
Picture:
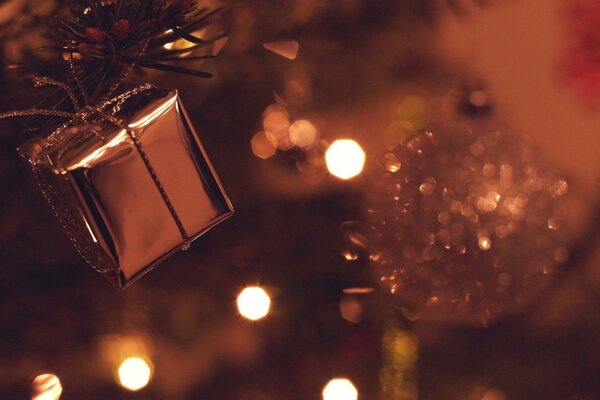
(93, 114)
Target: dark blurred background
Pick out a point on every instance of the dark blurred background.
(483, 62)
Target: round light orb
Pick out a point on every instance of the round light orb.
(135, 373)
(345, 158)
(264, 145)
(303, 133)
(340, 389)
(46, 387)
(253, 303)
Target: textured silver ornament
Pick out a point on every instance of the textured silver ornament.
(465, 227)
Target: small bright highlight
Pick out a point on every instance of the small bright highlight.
(340, 389)
(253, 303)
(135, 373)
(345, 158)
(46, 387)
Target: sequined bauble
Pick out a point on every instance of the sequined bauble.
(465, 227)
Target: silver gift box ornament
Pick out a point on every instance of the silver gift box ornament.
(128, 206)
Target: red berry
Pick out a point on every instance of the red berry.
(95, 35)
(121, 29)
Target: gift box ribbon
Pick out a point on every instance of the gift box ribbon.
(86, 114)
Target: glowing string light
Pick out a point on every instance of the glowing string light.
(253, 303)
(135, 373)
(345, 158)
(340, 389)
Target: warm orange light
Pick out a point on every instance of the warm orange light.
(340, 389)
(302, 133)
(135, 373)
(46, 387)
(351, 309)
(253, 303)
(345, 158)
(264, 145)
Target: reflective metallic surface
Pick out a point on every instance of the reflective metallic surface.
(98, 184)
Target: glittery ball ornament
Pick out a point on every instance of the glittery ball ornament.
(465, 228)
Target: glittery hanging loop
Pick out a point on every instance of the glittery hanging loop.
(88, 114)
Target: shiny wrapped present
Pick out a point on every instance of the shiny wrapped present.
(132, 187)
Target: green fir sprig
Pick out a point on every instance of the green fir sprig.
(104, 38)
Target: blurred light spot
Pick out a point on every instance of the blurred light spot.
(264, 145)
(340, 389)
(484, 242)
(400, 351)
(353, 235)
(276, 121)
(351, 309)
(426, 188)
(553, 223)
(478, 98)
(392, 164)
(415, 110)
(253, 303)
(504, 279)
(397, 132)
(559, 188)
(287, 49)
(359, 290)
(345, 158)
(135, 373)
(350, 254)
(46, 387)
(561, 254)
(302, 133)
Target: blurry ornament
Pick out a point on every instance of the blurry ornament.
(465, 227)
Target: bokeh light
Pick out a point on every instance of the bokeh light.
(351, 309)
(46, 387)
(264, 145)
(276, 121)
(345, 158)
(414, 110)
(135, 373)
(398, 373)
(302, 133)
(253, 303)
(340, 389)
